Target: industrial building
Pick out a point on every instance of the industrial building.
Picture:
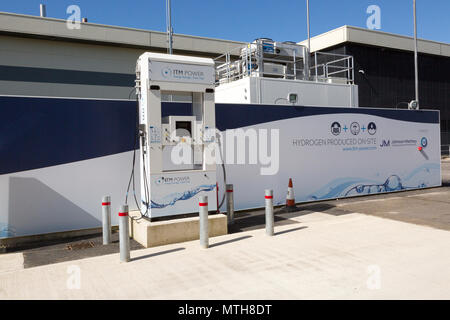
(42, 57)
(65, 92)
(107, 128)
(384, 69)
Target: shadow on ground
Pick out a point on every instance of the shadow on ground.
(229, 241)
(290, 230)
(73, 249)
(253, 220)
(157, 254)
(89, 246)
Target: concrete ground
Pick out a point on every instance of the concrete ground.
(392, 246)
(73, 249)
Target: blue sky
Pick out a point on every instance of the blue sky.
(243, 20)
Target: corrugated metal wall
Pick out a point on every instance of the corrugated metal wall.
(388, 80)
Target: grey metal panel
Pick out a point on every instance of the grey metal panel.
(41, 89)
(26, 52)
(28, 74)
(57, 28)
(388, 79)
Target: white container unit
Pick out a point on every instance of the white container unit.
(259, 90)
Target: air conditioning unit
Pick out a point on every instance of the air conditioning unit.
(274, 69)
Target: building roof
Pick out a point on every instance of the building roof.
(50, 28)
(376, 38)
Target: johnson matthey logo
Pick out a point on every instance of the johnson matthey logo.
(424, 142)
(385, 143)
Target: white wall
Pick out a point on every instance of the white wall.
(275, 91)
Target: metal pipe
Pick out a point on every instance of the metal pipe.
(230, 203)
(228, 67)
(416, 71)
(336, 72)
(203, 215)
(295, 67)
(269, 212)
(169, 24)
(315, 64)
(308, 64)
(334, 54)
(353, 70)
(307, 22)
(106, 219)
(339, 60)
(43, 10)
(124, 234)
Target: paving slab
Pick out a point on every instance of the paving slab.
(351, 256)
(73, 249)
(388, 246)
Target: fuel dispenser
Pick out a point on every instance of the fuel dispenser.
(177, 150)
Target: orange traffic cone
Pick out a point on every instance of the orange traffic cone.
(290, 199)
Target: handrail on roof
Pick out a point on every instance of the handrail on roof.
(267, 58)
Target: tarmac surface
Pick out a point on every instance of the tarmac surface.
(391, 246)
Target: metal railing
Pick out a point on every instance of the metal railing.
(251, 61)
(332, 66)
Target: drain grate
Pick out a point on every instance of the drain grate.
(80, 246)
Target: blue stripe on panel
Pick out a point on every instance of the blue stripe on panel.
(43, 132)
(232, 116)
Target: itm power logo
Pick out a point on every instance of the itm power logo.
(181, 73)
(166, 72)
(172, 180)
(188, 74)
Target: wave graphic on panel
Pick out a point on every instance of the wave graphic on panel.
(6, 231)
(345, 187)
(171, 199)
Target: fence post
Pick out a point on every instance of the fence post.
(269, 212)
(203, 214)
(124, 234)
(230, 203)
(106, 219)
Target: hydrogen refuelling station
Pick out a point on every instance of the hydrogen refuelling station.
(255, 117)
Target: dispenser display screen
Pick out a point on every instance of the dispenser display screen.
(183, 128)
